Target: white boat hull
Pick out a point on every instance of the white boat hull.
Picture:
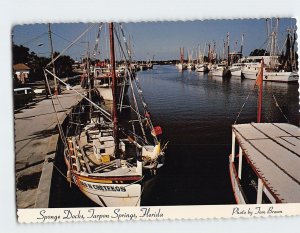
(220, 73)
(181, 66)
(105, 193)
(236, 72)
(201, 68)
(273, 76)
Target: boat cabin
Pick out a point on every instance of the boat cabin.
(264, 163)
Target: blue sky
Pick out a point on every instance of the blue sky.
(159, 39)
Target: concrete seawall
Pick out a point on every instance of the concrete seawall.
(36, 137)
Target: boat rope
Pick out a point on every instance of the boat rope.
(69, 46)
(139, 197)
(60, 172)
(137, 84)
(104, 112)
(63, 138)
(242, 108)
(136, 108)
(125, 42)
(146, 111)
(278, 106)
(97, 40)
(132, 90)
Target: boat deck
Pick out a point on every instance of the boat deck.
(88, 150)
(273, 150)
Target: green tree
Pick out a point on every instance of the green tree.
(259, 52)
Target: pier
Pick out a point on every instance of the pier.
(36, 137)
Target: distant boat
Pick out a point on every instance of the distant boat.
(271, 75)
(274, 71)
(201, 68)
(236, 69)
(181, 65)
(103, 81)
(265, 169)
(220, 70)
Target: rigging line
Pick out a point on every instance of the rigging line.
(125, 41)
(242, 108)
(132, 91)
(146, 111)
(136, 107)
(278, 106)
(56, 114)
(97, 40)
(78, 38)
(105, 113)
(121, 48)
(60, 172)
(137, 85)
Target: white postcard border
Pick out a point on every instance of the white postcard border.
(48, 215)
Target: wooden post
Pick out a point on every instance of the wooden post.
(260, 186)
(240, 163)
(233, 147)
(114, 92)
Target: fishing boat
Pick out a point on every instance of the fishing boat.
(101, 71)
(274, 71)
(181, 65)
(236, 69)
(265, 159)
(110, 163)
(103, 80)
(201, 67)
(190, 64)
(221, 70)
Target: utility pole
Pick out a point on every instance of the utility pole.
(52, 57)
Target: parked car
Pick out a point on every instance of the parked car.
(23, 95)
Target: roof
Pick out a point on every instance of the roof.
(273, 150)
(20, 66)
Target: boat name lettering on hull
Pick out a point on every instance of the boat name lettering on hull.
(102, 187)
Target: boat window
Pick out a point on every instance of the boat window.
(102, 151)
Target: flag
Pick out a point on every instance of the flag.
(157, 130)
(258, 82)
(259, 77)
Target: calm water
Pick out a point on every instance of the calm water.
(196, 113)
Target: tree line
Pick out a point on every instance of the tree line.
(22, 54)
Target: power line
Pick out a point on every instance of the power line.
(35, 38)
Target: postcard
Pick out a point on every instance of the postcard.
(123, 121)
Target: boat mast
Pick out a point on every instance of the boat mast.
(228, 50)
(242, 44)
(114, 88)
(259, 83)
